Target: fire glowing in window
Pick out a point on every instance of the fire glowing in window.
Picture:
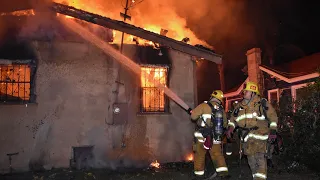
(14, 83)
(153, 98)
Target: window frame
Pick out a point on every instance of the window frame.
(273, 91)
(32, 65)
(166, 98)
(294, 92)
(294, 89)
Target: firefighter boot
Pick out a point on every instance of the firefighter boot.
(197, 177)
(218, 160)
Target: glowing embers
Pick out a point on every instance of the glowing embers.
(189, 157)
(153, 98)
(155, 164)
(28, 12)
(14, 83)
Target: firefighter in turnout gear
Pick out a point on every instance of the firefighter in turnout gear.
(257, 122)
(211, 121)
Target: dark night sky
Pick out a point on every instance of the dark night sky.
(286, 29)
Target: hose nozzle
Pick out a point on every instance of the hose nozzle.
(189, 111)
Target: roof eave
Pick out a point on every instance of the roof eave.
(289, 80)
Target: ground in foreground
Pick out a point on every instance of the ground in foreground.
(169, 171)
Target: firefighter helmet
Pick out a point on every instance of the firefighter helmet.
(218, 94)
(251, 86)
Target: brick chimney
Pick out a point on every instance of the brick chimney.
(254, 73)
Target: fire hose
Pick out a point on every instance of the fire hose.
(105, 47)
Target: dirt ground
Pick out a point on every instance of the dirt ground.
(169, 171)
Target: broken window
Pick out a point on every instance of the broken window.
(153, 99)
(15, 83)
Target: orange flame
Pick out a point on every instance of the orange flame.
(150, 76)
(189, 157)
(155, 164)
(69, 17)
(162, 18)
(151, 21)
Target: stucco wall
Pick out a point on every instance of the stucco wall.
(74, 88)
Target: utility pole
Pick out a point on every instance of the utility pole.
(125, 17)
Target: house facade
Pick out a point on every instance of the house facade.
(66, 103)
(276, 81)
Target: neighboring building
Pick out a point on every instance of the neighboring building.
(60, 100)
(275, 81)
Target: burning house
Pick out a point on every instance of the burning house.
(64, 102)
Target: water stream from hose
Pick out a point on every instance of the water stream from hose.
(109, 50)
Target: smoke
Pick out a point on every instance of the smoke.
(208, 22)
(214, 18)
(217, 23)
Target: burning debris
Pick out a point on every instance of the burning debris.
(173, 165)
(190, 157)
(29, 12)
(155, 164)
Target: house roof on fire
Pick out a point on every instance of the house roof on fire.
(294, 71)
(198, 50)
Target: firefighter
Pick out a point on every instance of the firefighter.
(211, 121)
(257, 122)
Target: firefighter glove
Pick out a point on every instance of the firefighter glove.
(189, 111)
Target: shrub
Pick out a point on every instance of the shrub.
(301, 129)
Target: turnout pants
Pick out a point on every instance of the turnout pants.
(258, 166)
(216, 156)
(254, 145)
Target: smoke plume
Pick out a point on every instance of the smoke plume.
(173, 16)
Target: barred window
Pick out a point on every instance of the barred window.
(153, 99)
(15, 83)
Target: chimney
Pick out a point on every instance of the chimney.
(254, 73)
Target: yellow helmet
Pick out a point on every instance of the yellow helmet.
(218, 94)
(251, 86)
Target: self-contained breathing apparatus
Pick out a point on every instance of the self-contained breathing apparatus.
(242, 131)
(213, 133)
